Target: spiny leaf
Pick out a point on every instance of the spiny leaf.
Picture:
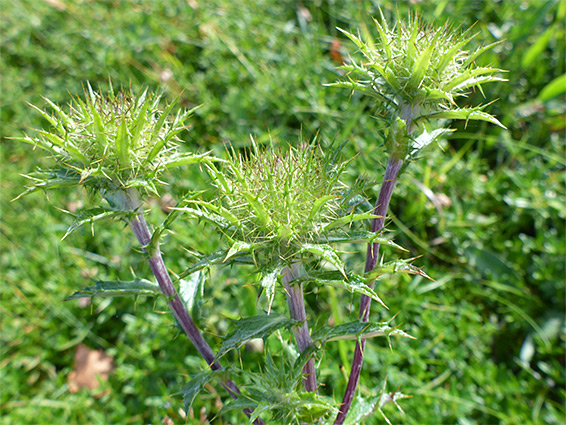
(347, 219)
(191, 290)
(218, 209)
(195, 386)
(203, 263)
(268, 283)
(181, 159)
(213, 218)
(476, 72)
(326, 252)
(358, 236)
(237, 248)
(43, 144)
(123, 144)
(353, 283)
(92, 215)
(68, 146)
(141, 119)
(421, 64)
(427, 138)
(252, 327)
(361, 408)
(65, 119)
(466, 114)
(117, 288)
(400, 266)
(355, 330)
(159, 144)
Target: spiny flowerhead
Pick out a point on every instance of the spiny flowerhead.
(281, 199)
(282, 195)
(279, 208)
(417, 71)
(110, 143)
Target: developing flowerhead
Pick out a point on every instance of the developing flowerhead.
(110, 143)
(282, 206)
(282, 196)
(417, 72)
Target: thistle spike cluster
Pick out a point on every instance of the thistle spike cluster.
(110, 143)
(416, 72)
(279, 207)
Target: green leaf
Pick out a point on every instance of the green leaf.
(352, 283)
(51, 183)
(67, 146)
(191, 291)
(452, 52)
(181, 159)
(465, 114)
(141, 119)
(358, 236)
(421, 65)
(318, 204)
(117, 288)
(252, 327)
(97, 119)
(123, 144)
(359, 43)
(157, 143)
(268, 283)
(196, 385)
(43, 144)
(355, 330)
(258, 208)
(65, 119)
(360, 409)
(92, 215)
(312, 406)
(348, 219)
(467, 75)
(203, 263)
(45, 115)
(326, 252)
(475, 82)
(400, 266)
(237, 248)
(427, 138)
(382, 30)
(357, 285)
(213, 218)
(555, 88)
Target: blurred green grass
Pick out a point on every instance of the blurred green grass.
(490, 328)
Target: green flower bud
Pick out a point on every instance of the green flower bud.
(416, 72)
(110, 143)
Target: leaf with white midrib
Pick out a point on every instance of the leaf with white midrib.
(253, 327)
(117, 288)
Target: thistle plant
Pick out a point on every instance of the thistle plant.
(118, 146)
(282, 211)
(415, 73)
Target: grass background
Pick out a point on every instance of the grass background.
(490, 328)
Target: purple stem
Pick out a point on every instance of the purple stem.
(391, 173)
(296, 302)
(143, 234)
